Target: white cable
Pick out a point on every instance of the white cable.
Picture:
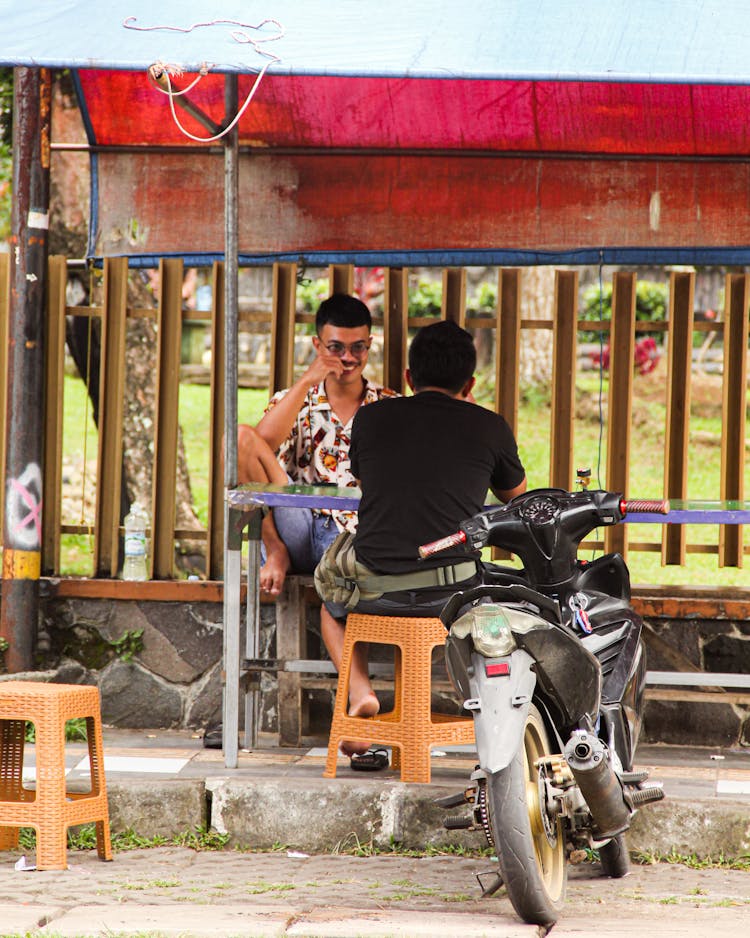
(238, 35)
(173, 94)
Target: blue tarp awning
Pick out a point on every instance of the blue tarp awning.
(703, 41)
(395, 132)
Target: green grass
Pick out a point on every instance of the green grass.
(76, 730)
(195, 404)
(646, 471)
(83, 837)
(534, 421)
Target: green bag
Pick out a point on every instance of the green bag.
(338, 574)
(341, 578)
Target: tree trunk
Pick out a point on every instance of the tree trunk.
(537, 302)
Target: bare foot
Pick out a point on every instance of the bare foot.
(366, 706)
(352, 747)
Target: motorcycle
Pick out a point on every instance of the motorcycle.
(550, 662)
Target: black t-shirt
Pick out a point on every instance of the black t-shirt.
(425, 464)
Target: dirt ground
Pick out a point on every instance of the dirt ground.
(664, 899)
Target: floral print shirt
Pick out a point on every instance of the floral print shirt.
(317, 449)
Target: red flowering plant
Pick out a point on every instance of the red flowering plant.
(369, 284)
(646, 356)
(650, 306)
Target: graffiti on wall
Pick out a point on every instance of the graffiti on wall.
(23, 509)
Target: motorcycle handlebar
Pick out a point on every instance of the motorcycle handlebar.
(582, 513)
(658, 506)
(427, 550)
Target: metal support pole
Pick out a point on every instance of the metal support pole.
(22, 529)
(232, 572)
(252, 625)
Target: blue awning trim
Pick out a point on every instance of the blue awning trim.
(735, 256)
(93, 202)
(83, 107)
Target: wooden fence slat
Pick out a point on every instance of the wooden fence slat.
(507, 356)
(621, 351)
(166, 418)
(563, 379)
(679, 371)
(54, 368)
(215, 540)
(734, 407)
(508, 345)
(341, 278)
(453, 304)
(4, 308)
(282, 326)
(395, 326)
(508, 327)
(111, 403)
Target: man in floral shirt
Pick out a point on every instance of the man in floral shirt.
(304, 437)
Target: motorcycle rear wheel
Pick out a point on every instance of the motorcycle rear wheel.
(529, 842)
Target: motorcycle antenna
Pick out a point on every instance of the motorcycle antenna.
(601, 372)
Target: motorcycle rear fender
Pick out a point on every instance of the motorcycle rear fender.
(500, 706)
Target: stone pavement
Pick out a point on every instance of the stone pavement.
(164, 783)
(173, 891)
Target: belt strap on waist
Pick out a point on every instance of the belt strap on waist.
(393, 582)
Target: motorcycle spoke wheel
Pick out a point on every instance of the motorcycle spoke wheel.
(529, 842)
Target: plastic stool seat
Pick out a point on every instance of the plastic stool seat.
(412, 727)
(50, 808)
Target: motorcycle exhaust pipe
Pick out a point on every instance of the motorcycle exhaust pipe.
(588, 760)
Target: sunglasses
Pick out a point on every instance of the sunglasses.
(357, 349)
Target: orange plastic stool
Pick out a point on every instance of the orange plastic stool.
(412, 727)
(49, 808)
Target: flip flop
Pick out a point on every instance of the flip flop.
(213, 737)
(371, 761)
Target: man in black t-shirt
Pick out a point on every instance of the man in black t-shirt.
(425, 464)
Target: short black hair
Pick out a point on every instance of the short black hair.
(344, 311)
(442, 355)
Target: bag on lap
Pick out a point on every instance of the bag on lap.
(338, 573)
(340, 578)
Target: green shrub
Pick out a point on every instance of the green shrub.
(485, 299)
(426, 299)
(310, 294)
(650, 304)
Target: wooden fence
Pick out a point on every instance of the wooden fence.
(508, 325)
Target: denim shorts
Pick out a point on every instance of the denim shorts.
(306, 536)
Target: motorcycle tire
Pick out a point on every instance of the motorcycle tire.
(530, 846)
(614, 857)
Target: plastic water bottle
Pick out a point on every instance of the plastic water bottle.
(136, 522)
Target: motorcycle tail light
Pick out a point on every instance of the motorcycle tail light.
(498, 669)
(491, 627)
(490, 630)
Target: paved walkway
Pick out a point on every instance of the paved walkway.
(164, 781)
(177, 892)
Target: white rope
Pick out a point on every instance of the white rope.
(159, 69)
